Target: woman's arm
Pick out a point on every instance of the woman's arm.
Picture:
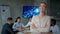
(14, 26)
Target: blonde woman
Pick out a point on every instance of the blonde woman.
(40, 23)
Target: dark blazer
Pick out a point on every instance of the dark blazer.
(7, 29)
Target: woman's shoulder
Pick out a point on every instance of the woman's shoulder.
(35, 16)
(56, 26)
(15, 22)
(20, 23)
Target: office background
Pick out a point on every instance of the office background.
(16, 8)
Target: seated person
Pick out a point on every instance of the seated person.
(29, 23)
(54, 28)
(7, 28)
(18, 26)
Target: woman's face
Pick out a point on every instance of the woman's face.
(18, 20)
(42, 7)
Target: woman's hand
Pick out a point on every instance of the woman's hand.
(22, 29)
(19, 29)
(27, 28)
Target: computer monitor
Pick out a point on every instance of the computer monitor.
(29, 11)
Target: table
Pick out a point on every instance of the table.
(29, 32)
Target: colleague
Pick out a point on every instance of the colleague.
(7, 28)
(40, 24)
(29, 23)
(18, 25)
(27, 26)
(54, 27)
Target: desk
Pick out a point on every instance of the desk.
(29, 32)
(35, 33)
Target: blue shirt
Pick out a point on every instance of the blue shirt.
(17, 25)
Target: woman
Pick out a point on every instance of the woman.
(18, 26)
(40, 23)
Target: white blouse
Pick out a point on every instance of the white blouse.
(55, 29)
(42, 25)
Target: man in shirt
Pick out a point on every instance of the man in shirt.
(54, 27)
(7, 28)
(29, 23)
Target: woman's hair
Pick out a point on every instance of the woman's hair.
(44, 3)
(17, 18)
(53, 21)
(31, 16)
